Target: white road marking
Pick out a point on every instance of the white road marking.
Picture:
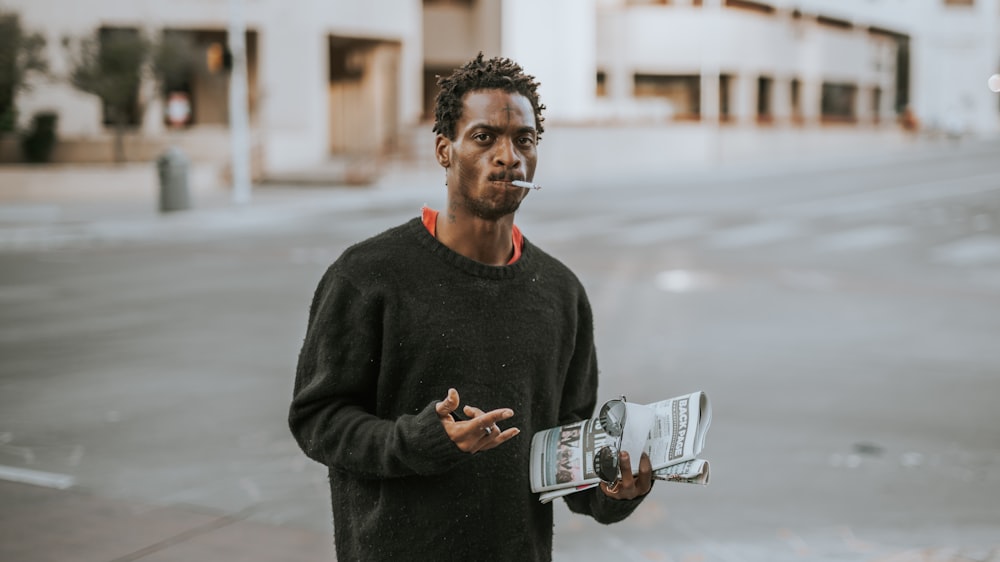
(683, 280)
(36, 477)
(975, 250)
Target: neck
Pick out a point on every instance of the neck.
(478, 239)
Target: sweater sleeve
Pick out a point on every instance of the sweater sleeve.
(333, 403)
(578, 402)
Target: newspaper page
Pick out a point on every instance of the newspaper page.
(694, 471)
(679, 429)
(562, 457)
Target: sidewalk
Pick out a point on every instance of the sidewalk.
(83, 206)
(45, 525)
(80, 207)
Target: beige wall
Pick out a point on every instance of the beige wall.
(364, 117)
(454, 33)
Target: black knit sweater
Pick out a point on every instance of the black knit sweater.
(395, 322)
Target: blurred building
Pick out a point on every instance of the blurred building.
(325, 77)
(356, 79)
(760, 62)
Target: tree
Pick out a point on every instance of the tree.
(174, 59)
(110, 65)
(174, 64)
(21, 55)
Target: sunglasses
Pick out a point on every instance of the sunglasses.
(606, 459)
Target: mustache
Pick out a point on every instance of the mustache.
(506, 176)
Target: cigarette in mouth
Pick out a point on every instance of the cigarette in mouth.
(525, 185)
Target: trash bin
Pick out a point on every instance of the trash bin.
(173, 170)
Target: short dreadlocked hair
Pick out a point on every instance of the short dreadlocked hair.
(494, 74)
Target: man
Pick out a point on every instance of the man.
(451, 307)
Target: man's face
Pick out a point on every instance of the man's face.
(495, 143)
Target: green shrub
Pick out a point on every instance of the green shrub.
(38, 141)
(8, 120)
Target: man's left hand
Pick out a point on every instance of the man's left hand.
(631, 486)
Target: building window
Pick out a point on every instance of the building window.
(602, 84)
(764, 85)
(959, 2)
(647, 2)
(839, 102)
(876, 104)
(795, 98)
(683, 92)
(725, 81)
(348, 58)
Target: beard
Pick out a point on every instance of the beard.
(484, 201)
(494, 209)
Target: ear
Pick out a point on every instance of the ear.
(442, 150)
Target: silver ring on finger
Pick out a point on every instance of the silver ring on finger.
(488, 430)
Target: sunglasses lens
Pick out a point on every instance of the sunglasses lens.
(606, 464)
(613, 417)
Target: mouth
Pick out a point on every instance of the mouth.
(517, 183)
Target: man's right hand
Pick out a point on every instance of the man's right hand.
(478, 433)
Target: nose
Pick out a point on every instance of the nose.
(506, 156)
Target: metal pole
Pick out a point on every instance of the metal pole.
(711, 76)
(239, 121)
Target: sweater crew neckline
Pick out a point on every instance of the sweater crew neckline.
(416, 228)
(429, 217)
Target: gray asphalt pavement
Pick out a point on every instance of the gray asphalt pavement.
(840, 313)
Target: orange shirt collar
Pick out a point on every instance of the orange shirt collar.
(429, 217)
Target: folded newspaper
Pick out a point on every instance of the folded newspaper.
(672, 432)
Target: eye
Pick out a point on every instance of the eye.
(482, 137)
(526, 141)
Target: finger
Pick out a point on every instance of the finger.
(449, 404)
(645, 463)
(645, 474)
(625, 462)
(645, 466)
(483, 425)
(487, 419)
(484, 419)
(499, 438)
